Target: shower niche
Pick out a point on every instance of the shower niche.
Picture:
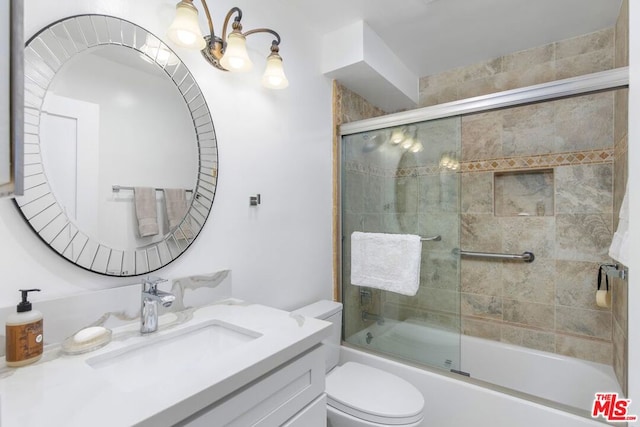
(524, 193)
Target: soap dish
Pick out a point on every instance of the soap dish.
(86, 340)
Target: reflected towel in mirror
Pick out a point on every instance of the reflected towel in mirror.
(175, 200)
(145, 202)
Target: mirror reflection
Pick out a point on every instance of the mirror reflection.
(109, 109)
(110, 118)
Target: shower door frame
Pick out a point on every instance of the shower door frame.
(617, 78)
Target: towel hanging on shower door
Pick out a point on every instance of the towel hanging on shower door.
(390, 262)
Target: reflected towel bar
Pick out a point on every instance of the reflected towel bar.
(431, 239)
(525, 256)
(117, 188)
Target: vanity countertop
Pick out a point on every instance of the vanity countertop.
(62, 390)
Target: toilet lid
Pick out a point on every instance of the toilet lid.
(373, 395)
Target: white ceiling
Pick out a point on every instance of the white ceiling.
(431, 36)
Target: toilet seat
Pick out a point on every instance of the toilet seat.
(373, 395)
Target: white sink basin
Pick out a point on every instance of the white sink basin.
(161, 356)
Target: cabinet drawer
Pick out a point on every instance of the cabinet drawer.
(270, 400)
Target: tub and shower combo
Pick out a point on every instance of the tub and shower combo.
(511, 195)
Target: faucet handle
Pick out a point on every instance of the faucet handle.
(151, 282)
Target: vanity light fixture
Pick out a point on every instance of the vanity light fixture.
(226, 53)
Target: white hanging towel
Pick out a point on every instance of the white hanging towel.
(619, 249)
(390, 262)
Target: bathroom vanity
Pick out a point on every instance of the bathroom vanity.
(229, 363)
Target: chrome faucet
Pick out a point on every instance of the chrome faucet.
(151, 296)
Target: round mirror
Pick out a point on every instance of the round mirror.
(120, 151)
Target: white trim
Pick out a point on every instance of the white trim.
(610, 79)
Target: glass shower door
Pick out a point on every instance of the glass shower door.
(405, 180)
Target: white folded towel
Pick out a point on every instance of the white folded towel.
(619, 249)
(390, 262)
(145, 203)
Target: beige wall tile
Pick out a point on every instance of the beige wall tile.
(480, 328)
(480, 232)
(528, 130)
(576, 284)
(481, 277)
(620, 303)
(488, 307)
(528, 314)
(578, 321)
(530, 234)
(592, 62)
(477, 193)
(439, 269)
(535, 74)
(534, 282)
(621, 114)
(482, 69)
(538, 340)
(622, 36)
(599, 40)
(584, 188)
(583, 237)
(584, 122)
(525, 59)
(620, 351)
(584, 348)
(482, 136)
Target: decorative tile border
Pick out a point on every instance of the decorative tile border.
(505, 164)
(539, 161)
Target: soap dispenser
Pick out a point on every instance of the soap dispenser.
(24, 343)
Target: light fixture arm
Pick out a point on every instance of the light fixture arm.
(265, 30)
(209, 20)
(236, 21)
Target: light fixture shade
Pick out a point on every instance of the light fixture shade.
(185, 30)
(235, 56)
(273, 77)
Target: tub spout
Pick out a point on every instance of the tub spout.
(368, 316)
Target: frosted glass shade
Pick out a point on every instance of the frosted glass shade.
(235, 56)
(273, 77)
(185, 30)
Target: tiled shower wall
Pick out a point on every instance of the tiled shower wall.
(560, 60)
(551, 308)
(620, 167)
(563, 151)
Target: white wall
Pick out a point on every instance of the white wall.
(277, 144)
(634, 207)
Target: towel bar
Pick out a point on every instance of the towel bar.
(436, 238)
(525, 256)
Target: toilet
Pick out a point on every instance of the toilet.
(360, 395)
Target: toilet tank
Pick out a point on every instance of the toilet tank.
(330, 311)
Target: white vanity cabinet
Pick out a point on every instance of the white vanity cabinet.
(11, 98)
(291, 395)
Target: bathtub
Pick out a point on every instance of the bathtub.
(561, 381)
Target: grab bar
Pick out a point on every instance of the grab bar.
(525, 256)
(431, 239)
